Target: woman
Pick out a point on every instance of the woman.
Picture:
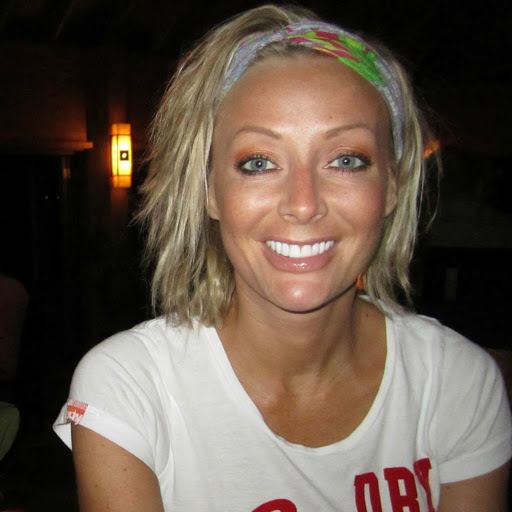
(287, 165)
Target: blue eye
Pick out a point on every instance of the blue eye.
(256, 164)
(349, 162)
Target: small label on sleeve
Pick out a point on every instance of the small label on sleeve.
(75, 411)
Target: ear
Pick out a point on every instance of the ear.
(211, 197)
(391, 192)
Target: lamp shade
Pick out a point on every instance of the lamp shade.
(121, 150)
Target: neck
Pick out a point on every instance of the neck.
(280, 345)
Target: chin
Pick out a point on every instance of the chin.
(302, 301)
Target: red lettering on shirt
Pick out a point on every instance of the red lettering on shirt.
(367, 483)
(422, 468)
(402, 489)
(279, 505)
(401, 486)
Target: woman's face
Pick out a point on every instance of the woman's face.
(300, 180)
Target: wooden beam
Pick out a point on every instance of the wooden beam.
(43, 146)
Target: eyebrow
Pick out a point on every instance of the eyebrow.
(258, 129)
(345, 128)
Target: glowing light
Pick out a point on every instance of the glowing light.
(431, 147)
(121, 146)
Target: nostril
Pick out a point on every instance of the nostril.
(302, 201)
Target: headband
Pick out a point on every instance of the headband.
(331, 40)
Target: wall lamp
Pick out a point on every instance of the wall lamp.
(121, 147)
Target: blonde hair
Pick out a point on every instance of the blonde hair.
(192, 277)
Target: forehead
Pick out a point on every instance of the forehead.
(302, 87)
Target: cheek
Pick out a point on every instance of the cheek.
(364, 208)
(238, 207)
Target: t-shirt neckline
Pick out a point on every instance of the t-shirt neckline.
(242, 398)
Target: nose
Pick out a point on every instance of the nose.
(302, 200)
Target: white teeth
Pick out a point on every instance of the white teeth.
(306, 251)
(294, 251)
(299, 251)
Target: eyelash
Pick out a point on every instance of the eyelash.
(253, 172)
(365, 162)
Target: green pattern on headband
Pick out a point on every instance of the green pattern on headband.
(346, 49)
(365, 65)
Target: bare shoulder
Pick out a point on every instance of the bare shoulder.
(111, 478)
(485, 493)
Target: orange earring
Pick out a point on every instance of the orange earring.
(360, 282)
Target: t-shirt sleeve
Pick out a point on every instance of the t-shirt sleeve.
(113, 393)
(473, 425)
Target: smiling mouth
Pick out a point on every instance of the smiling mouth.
(299, 251)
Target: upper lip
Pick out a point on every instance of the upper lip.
(300, 242)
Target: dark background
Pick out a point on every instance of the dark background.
(71, 68)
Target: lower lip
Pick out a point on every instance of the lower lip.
(306, 264)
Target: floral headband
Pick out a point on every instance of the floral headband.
(345, 47)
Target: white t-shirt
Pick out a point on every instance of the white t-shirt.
(170, 397)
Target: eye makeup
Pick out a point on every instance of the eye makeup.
(256, 164)
(350, 162)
